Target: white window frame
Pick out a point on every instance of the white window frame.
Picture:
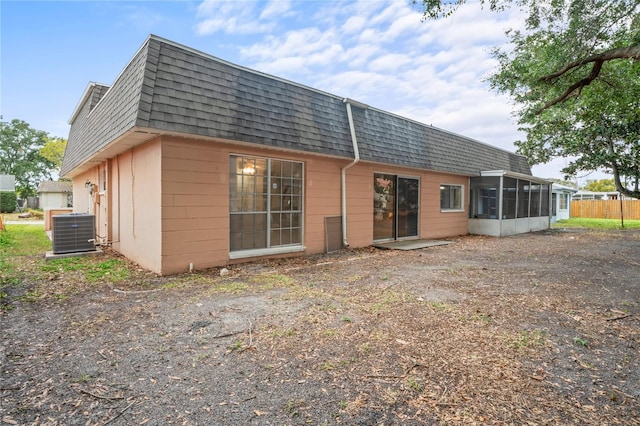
(281, 249)
(453, 209)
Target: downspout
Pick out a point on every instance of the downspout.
(343, 175)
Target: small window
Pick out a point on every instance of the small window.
(564, 201)
(451, 197)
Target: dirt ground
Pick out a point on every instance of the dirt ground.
(534, 329)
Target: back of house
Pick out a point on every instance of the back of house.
(189, 161)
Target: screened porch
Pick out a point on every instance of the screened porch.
(504, 203)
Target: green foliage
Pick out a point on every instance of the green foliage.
(20, 155)
(573, 75)
(53, 150)
(580, 341)
(602, 185)
(580, 222)
(24, 240)
(527, 339)
(8, 202)
(111, 270)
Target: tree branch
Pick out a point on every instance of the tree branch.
(631, 52)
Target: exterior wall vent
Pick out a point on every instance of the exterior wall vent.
(73, 233)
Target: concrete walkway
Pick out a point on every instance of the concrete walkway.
(24, 222)
(411, 244)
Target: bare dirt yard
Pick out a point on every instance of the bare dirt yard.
(539, 329)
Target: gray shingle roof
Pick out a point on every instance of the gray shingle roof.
(174, 89)
(55, 186)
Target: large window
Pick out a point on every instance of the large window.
(265, 203)
(451, 197)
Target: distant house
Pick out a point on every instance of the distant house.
(55, 194)
(561, 202)
(190, 161)
(605, 195)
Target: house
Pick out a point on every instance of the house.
(604, 195)
(188, 161)
(55, 194)
(561, 197)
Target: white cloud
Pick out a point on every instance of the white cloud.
(381, 53)
(275, 9)
(389, 63)
(243, 17)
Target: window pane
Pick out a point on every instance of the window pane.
(296, 203)
(276, 203)
(261, 202)
(296, 187)
(275, 237)
(450, 197)
(275, 220)
(276, 168)
(276, 185)
(297, 170)
(295, 220)
(296, 236)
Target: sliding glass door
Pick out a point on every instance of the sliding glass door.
(396, 204)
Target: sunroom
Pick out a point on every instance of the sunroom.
(503, 203)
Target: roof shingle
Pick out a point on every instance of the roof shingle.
(175, 89)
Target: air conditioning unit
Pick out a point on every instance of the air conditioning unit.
(75, 232)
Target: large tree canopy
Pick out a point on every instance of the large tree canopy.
(20, 155)
(573, 72)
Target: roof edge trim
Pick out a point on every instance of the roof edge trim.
(515, 175)
(83, 99)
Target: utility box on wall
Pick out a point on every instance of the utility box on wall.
(73, 233)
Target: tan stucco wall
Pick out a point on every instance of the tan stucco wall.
(166, 205)
(433, 223)
(128, 209)
(136, 188)
(195, 201)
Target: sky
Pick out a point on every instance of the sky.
(378, 52)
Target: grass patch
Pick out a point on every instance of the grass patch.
(110, 270)
(580, 222)
(23, 240)
(528, 339)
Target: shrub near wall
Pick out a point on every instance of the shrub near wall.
(8, 202)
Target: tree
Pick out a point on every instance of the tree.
(53, 150)
(20, 155)
(574, 76)
(602, 185)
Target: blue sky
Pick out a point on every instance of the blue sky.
(375, 51)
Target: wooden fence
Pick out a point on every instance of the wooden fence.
(606, 209)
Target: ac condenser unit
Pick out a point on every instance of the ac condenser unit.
(73, 233)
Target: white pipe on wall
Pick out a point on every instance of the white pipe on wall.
(343, 174)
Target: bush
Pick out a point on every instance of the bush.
(8, 202)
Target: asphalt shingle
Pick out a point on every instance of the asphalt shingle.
(175, 89)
